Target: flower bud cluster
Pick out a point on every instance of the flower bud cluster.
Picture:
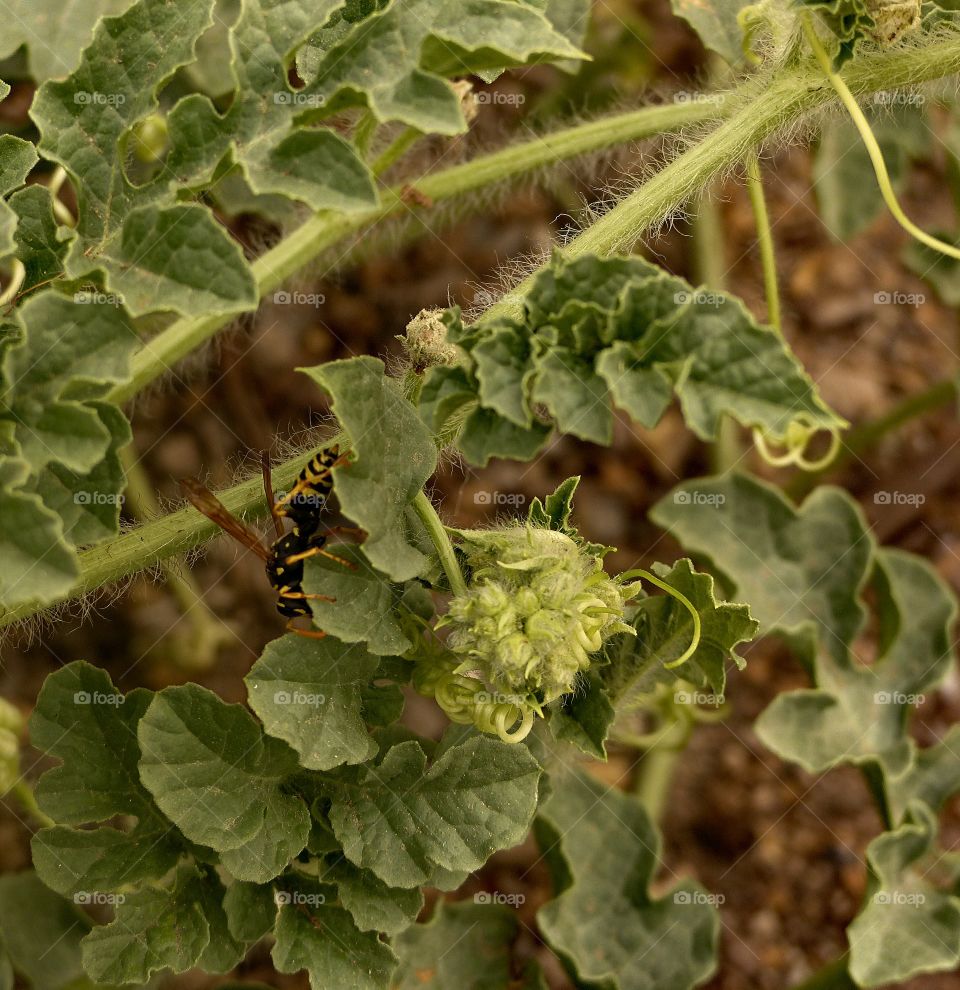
(537, 610)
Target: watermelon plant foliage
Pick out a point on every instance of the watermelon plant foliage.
(177, 830)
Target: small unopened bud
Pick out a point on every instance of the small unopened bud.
(426, 341)
(464, 90)
(150, 140)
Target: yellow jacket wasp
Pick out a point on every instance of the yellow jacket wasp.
(303, 505)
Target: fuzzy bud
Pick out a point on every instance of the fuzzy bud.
(426, 341)
(537, 610)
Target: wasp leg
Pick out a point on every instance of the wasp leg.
(306, 633)
(304, 594)
(317, 552)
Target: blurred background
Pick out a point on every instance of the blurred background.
(782, 848)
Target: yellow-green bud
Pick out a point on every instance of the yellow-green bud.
(537, 609)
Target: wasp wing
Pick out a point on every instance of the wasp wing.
(203, 500)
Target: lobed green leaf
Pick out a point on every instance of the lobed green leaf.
(603, 851)
(411, 825)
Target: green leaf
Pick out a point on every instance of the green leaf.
(83, 720)
(907, 926)
(154, 928)
(932, 776)
(585, 717)
(89, 504)
(307, 692)
(665, 630)
(17, 158)
(39, 565)
(857, 714)
(445, 392)
(251, 910)
(373, 905)
(800, 569)
(155, 254)
(715, 21)
(602, 331)
(54, 31)
(81, 862)
(575, 395)
(485, 435)
(393, 457)
(503, 367)
(366, 606)
(68, 348)
(394, 61)
(405, 822)
(176, 259)
(42, 932)
(38, 247)
(57, 441)
(220, 779)
(462, 945)
(324, 941)
(603, 852)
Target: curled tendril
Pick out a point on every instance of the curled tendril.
(466, 701)
(796, 441)
(684, 601)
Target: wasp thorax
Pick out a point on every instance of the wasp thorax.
(537, 610)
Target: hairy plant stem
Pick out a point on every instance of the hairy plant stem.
(758, 110)
(438, 534)
(325, 229)
(173, 534)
